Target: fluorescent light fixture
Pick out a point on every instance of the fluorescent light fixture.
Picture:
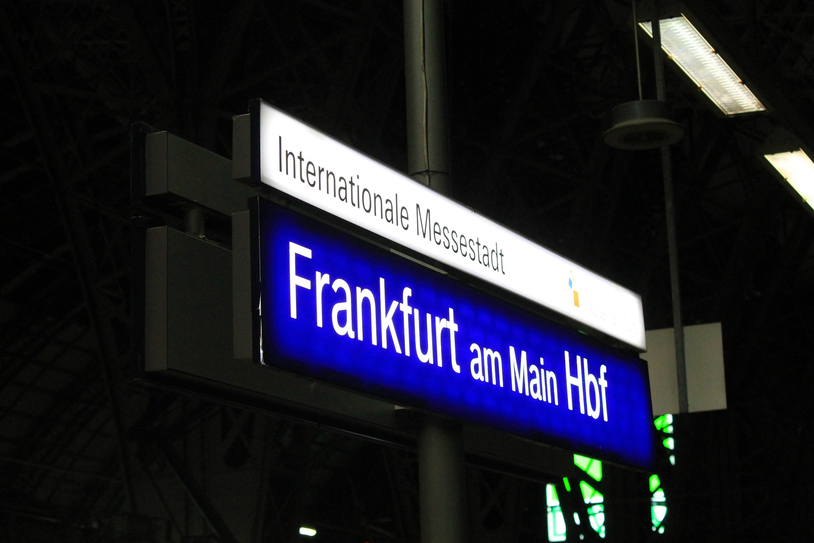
(697, 58)
(798, 170)
(310, 532)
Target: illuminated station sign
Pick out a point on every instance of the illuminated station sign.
(339, 309)
(314, 168)
(335, 307)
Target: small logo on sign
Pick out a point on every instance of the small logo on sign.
(572, 285)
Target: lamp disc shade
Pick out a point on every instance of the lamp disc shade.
(643, 124)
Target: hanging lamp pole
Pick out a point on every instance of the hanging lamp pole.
(646, 124)
(642, 124)
(636, 46)
(672, 240)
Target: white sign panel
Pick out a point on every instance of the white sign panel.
(704, 359)
(306, 164)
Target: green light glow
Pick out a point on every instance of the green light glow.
(596, 515)
(658, 500)
(590, 494)
(663, 421)
(555, 518)
(594, 500)
(655, 482)
(590, 466)
(658, 509)
(658, 496)
(658, 512)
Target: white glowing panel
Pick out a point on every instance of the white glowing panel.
(306, 164)
(798, 170)
(696, 57)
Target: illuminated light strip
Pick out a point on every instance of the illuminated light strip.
(696, 58)
(310, 166)
(798, 170)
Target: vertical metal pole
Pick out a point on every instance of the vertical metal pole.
(426, 85)
(672, 242)
(441, 468)
(441, 482)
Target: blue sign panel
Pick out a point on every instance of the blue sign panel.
(341, 310)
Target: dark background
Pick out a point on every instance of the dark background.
(530, 84)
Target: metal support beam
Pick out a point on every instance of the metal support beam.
(672, 238)
(441, 479)
(87, 270)
(425, 71)
(195, 492)
(441, 482)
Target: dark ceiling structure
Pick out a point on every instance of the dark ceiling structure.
(88, 454)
